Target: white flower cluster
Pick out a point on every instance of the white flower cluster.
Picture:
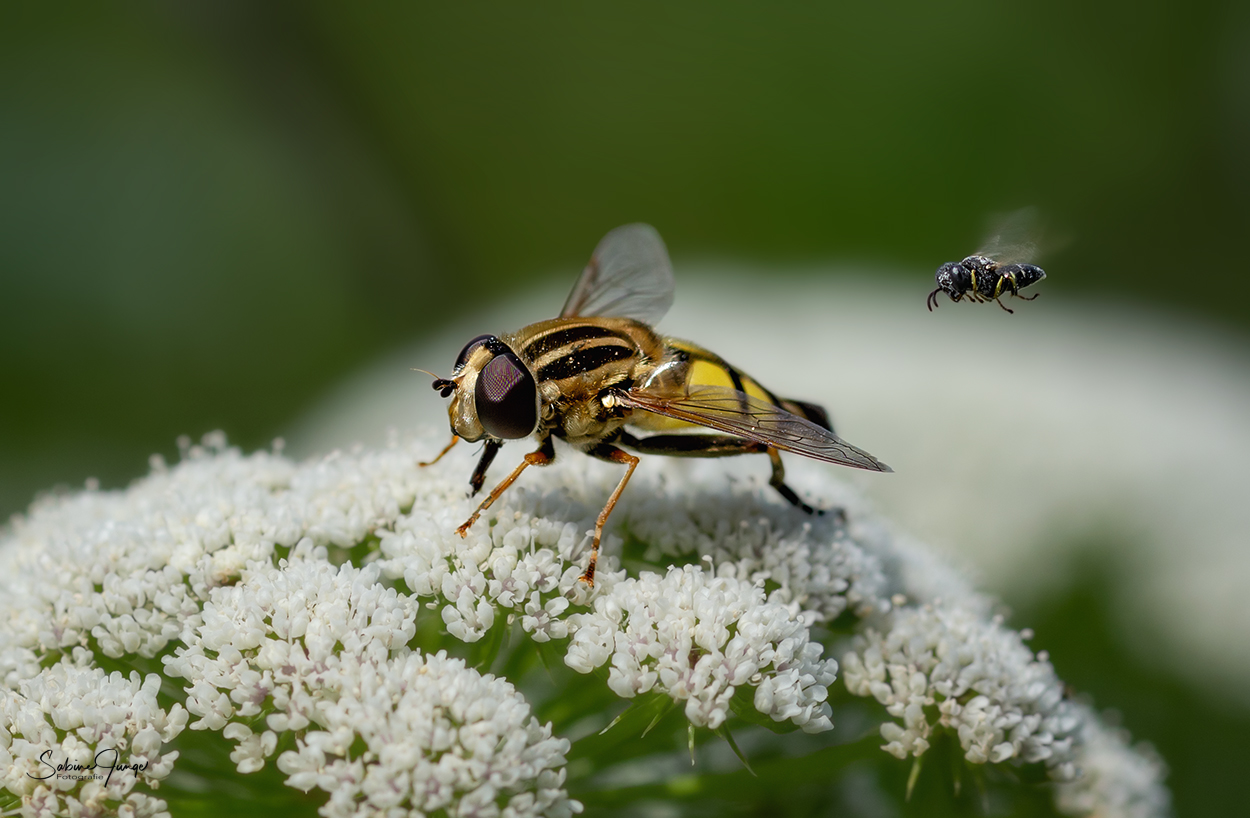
(948, 665)
(692, 635)
(438, 736)
(515, 563)
(322, 651)
(813, 561)
(125, 573)
(77, 741)
(123, 570)
(698, 638)
(227, 567)
(1117, 780)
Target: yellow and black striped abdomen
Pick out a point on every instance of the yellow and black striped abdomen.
(709, 369)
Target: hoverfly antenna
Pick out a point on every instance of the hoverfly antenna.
(442, 385)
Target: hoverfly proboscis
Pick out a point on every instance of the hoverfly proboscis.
(599, 372)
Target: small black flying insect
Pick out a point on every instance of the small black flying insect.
(996, 270)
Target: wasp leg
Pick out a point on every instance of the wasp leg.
(454, 440)
(1004, 306)
(544, 455)
(1027, 297)
(479, 471)
(608, 452)
(718, 446)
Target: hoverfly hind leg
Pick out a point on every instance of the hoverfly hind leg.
(778, 481)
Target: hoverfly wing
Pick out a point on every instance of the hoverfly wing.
(629, 276)
(736, 413)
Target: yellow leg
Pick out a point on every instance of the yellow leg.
(615, 456)
(539, 458)
(454, 440)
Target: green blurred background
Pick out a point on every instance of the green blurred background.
(211, 212)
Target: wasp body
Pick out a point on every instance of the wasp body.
(599, 373)
(984, 279)
(997, 268)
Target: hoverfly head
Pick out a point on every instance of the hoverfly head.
(493, 392)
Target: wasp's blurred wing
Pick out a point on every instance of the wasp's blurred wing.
(1014, 237)
(736, 413)
(629, 276)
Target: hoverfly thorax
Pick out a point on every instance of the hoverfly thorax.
(493, 392)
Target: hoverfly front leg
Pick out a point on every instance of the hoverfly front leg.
(544, 455)
(479, 471)
(454, 440)
(608, 452)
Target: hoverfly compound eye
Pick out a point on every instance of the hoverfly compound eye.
(468, 350)
(506, 397)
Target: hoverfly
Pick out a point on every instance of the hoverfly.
(599, 373)
(994, 271)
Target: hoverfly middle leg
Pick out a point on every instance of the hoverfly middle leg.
(454, 440)
(544, 455)
(608, 452)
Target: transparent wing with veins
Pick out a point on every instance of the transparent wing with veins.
(629, 276)
(736, 413)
